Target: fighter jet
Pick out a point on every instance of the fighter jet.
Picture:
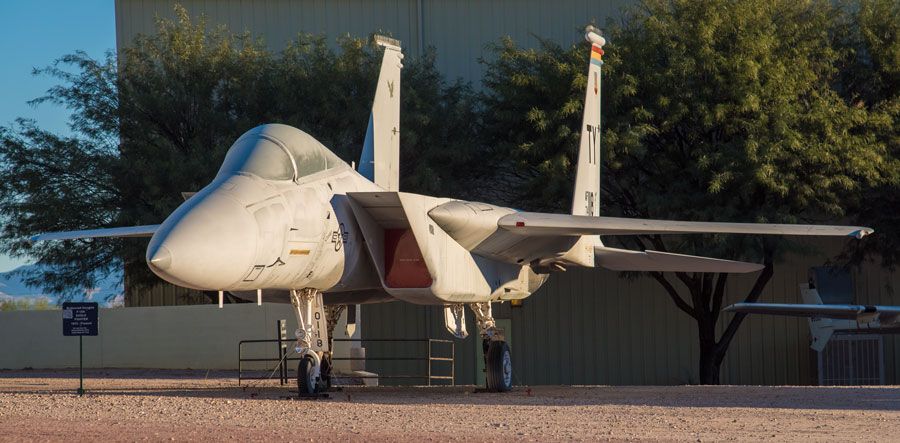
(826, 319)
(286, 219)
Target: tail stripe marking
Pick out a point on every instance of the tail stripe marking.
(596, 55)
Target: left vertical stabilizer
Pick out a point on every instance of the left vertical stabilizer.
(380, 159)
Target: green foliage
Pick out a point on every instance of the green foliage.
(871, 79)
(535, 98)
(158, 121)
(56, 183)
(716, 110)
(441, 147)
(22, 304)
(725, 111)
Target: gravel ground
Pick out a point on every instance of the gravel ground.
(132, 405)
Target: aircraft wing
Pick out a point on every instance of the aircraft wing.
(127, 231)
(627, 260)
(539, 224)
(886, 314)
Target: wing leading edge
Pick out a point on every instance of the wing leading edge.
(127, 231)
(536, 223)
(850, 312)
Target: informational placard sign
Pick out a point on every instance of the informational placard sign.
(80, 318)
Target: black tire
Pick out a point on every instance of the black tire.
(499, 367)
(325, 374)
(306, 383)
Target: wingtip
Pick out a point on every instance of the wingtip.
(733, 308)
(862, 232)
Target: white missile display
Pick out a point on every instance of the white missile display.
(826, 319)
(287, 217)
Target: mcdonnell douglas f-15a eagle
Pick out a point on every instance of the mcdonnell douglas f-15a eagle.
(286, 218)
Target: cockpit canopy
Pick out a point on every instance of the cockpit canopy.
(278, 152)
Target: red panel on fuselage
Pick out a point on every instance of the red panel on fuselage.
(403, 262)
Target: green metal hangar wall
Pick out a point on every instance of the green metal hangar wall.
(583, 326)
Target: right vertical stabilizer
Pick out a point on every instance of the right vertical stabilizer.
(380, 159)
(586, 197)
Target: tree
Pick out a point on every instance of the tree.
(158, 121)
(535, 98)
(716, 110)
(870, 77)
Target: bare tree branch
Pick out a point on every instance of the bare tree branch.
(719, 295)
(673, 293)
(752, 296)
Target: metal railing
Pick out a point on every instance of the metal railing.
(282, 359)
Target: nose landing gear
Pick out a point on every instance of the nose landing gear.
(314, 368)
(313, 377)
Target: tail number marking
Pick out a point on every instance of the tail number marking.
(593, 135)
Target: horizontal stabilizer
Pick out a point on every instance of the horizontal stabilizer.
(127, 231)
(536, 223)
(625, 260)
(861, 313)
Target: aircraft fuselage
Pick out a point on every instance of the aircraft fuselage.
(243, 232)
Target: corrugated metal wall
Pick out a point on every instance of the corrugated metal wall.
(593, 327)
(457, 29)
(162, 294)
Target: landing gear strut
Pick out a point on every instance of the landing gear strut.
(497, 361)
(314, 368)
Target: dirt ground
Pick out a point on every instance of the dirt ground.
(138, 405)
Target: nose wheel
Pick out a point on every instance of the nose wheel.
(498, 367)
(313, 379)
(307, 380)
(314, 367)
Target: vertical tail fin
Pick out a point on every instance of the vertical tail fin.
(380, 159)
(586, 198)
(820, 328)
(587, 178)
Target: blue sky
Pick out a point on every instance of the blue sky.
(33, 34)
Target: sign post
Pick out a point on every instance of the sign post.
(282, 350)
(80, 319)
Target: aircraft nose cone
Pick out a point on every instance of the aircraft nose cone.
(162, 259)
(209, 243)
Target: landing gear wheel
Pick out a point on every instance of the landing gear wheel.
(325, 374)
(499, 367)
(307, 383)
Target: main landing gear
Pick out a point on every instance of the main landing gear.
(313, 345)
(497, 361)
